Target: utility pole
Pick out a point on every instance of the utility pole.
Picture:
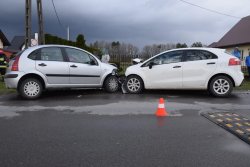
(41, 40)
(27, 24)
(68, 34)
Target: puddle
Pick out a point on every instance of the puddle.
(126, 108)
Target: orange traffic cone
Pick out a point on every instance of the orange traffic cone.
(161, 111)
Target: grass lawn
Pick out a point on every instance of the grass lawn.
(245, 85)
(4, 90)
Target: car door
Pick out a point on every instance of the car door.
(164, 71)
(197, 67)
(51, 63)
(84, 68)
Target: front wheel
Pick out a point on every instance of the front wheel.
(134, 84)
(221, 86)
(30, 88)
(111, 84)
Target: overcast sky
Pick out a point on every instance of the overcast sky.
(140, 22)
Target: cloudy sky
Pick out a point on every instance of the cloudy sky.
(140, 22)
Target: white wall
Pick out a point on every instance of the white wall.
(1, 44)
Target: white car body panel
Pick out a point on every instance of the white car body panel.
(157, 77)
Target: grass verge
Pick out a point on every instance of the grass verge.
(245, 85)
(4, 90)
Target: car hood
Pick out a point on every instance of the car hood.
(133, 68)
(108, 66)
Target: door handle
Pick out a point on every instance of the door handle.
(177, 67)
(42, 64)
(210, 63)
(73, 66)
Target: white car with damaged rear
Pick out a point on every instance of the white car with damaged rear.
(209, 69)
(56, 66)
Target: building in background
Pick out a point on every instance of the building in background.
(18, 43)
(3, 40)
(238, 36)
(4, 43)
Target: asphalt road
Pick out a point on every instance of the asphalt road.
(85, 128)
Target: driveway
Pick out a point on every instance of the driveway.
(93, 128)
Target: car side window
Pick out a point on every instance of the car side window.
(51, 54)
(78, 56)
(166, 58)
(196, 55)
(34, 55)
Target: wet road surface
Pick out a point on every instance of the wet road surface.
(93, 128)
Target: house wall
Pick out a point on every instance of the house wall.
(1, 44)
(245, 49)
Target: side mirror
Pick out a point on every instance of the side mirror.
(151, 64)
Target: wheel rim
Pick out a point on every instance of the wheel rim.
(31, 88)
(113, 84)
(133, 84)
(221, 86)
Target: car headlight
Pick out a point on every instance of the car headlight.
(114, 72)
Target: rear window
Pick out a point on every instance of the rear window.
(47, 54)
(34, 55)
(13, 57)
(229, 53)
(196, 55)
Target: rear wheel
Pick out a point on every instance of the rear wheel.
(111, 84)
(30, 88)
(221, 86)
(134, 84)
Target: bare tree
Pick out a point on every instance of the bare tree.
(151, 50)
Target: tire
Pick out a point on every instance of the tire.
(30, 88)
(221, 86)
(134, 84)
(111, 84)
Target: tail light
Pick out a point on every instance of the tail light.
(15, 64)
(234, 62)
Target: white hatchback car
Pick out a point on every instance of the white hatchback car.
(56, 66)
(209, 69)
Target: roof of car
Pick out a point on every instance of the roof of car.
(198, 48)
(51, 45)
(30, 49)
